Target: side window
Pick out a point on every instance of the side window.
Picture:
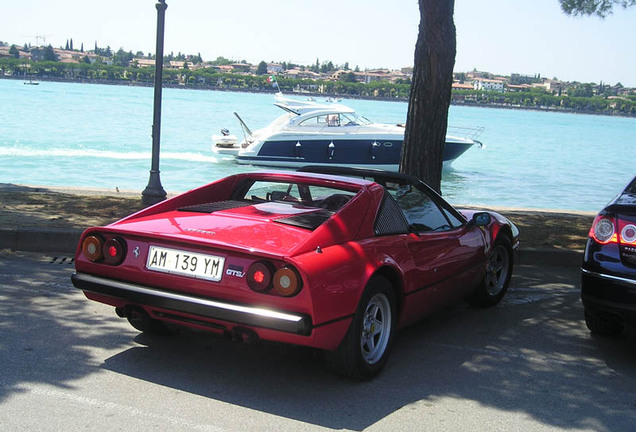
(420, 210)
(314, 121)
(322, 120)
(454, 220)
(333, 120)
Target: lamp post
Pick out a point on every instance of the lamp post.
(154, 192)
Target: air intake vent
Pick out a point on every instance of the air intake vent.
(309, 221)
(390, 220)
(215, 206)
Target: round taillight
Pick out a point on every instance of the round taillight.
(259, 276)
(92, 248)
(603, 230)
(287, 282)
(114, 251)
(628, 234)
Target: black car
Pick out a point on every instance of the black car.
(608, 273)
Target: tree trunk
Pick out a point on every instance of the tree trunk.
(430, 95)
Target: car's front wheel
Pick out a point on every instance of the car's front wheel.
(498, 274)
(365, 348)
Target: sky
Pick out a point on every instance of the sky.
(497, 36)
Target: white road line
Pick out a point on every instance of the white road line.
(179, 423)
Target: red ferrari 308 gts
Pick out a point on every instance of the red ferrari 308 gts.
(335, 259)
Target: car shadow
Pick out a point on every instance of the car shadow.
(532, 354)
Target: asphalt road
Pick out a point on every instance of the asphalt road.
(529, 365)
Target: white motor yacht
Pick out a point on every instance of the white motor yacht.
(314, 133)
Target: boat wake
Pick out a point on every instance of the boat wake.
(104, 154)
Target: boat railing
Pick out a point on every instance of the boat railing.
(468, 132)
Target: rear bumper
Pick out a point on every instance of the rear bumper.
(298, 324)
(608, 294)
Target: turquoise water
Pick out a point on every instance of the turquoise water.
(62, 134)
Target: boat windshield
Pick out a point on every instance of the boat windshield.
(335, 119)
(282, 120)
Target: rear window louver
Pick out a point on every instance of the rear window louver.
(390, 219)
(215, 206)
(309, 221)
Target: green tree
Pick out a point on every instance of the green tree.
(348, 77)
(122, 58)
(49, 54)
(601, 8)
(430, 93)
(262, 68)
(221, 61)
(13, 52)
(583, 90)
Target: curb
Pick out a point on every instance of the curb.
(66, 240)
(40, 240)
(550, 257)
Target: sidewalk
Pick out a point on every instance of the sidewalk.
(50, 219)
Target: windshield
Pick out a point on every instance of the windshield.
(335, 119)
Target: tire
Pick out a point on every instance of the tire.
(604, 325)
(139, 319)
(366, 347)
(498, 274)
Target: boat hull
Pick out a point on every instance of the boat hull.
(380, 154)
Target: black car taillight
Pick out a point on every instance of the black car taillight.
(627, 232)
(607, 230)
(603, 230)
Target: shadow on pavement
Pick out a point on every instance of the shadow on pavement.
(532, 356)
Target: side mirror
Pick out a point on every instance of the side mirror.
(480, 219)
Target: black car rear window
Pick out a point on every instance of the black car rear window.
(631, 188)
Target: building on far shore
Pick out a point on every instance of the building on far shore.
(462, 86)
(483, 84)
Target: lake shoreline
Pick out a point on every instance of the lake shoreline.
(319, 95)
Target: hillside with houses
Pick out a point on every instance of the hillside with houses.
(475, 87)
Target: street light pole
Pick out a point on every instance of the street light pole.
(154, 192)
